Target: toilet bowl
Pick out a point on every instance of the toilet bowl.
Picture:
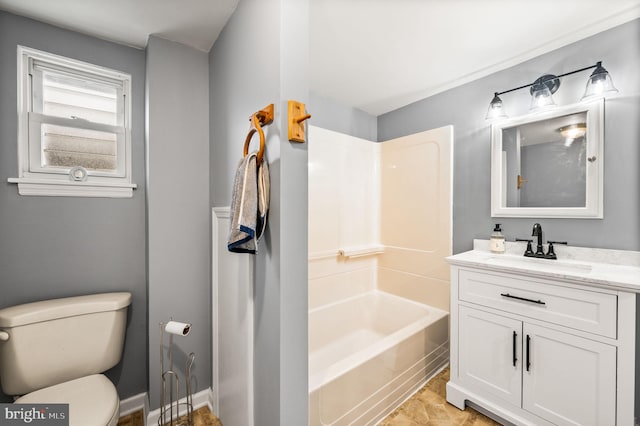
(92, 400)
(77, 339)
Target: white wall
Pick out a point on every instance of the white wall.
(343, 191)
(232, 320)
(395, 195)
(415, 218)
(343, 205)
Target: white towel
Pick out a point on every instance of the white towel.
(264, 186)
(249, 205)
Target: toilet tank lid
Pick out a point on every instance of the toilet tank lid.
(47, 310)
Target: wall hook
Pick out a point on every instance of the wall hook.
(297, 115)
(256, 121)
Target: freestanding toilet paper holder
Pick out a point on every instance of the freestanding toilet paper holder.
(171, 408)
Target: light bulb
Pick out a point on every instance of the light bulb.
(541, 97)
(599, 83)
(496, 109)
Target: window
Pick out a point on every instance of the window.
(74, 135)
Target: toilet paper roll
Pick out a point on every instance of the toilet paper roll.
(179, 328)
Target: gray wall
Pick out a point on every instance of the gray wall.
(179, 227)
(242, 83)
(332, 115)
(54, 247)
(465, 107)
(293, 222)
(261, 57)
(556, 174)
(510, 146)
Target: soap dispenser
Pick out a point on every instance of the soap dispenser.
(496, 242)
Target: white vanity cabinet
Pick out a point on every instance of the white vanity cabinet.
(536, 349)
(570, 379)
(561, 377)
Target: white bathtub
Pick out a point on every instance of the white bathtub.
(367, 354)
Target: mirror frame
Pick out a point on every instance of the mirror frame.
(595, 169)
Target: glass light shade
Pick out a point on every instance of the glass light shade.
(541, 97)
(599, 83)
(496, 109)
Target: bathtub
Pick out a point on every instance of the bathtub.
(367, 354)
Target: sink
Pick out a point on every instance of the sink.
(594, 267)
(539, 264)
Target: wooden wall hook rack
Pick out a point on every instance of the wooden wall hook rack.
(265, 115)
(256, 121)
(297, 115)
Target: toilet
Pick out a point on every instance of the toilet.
(54, 351)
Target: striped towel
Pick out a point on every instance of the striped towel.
(249, 205)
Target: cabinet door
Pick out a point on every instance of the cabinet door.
(489, 353)
(568, 380)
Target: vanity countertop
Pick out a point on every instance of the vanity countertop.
(603, 268)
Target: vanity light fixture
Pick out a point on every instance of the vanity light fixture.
(599, 83)
(541, 90)
(496, 109)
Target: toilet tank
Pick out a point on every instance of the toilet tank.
(53, 341)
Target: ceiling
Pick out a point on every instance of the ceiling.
(375, 55)
(195, 23)
(379, 55)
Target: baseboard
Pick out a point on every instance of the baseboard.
(200, 399)
(134, 403)
(211, 402)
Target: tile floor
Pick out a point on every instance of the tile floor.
(428, 407)
(134, 419)
(201, 417)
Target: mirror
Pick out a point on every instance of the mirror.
(549, 164)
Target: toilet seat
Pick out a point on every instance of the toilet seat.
(93, 400)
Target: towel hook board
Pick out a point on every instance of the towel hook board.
(297, 115)
(256, 121)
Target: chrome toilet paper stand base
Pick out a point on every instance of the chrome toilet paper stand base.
(170, 408)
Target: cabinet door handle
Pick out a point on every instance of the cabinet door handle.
(515, 336)
(528, 360)
(539, 302)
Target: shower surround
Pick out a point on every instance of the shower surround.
(378, 315)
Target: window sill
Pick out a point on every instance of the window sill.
(59, 188)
